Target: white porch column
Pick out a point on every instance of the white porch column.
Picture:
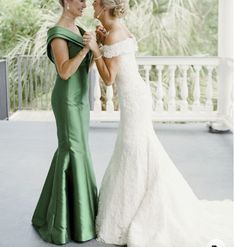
(225, 52)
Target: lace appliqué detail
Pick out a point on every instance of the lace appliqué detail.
(120, 48)
(144, 200)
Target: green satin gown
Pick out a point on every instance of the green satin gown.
(67, 206)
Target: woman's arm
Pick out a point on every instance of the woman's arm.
(107, 67)
(65, 66)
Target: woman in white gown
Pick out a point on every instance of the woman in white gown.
(144, 200)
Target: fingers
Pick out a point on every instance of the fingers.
(93, 34)
(101, 29)
(87, 38)
(99, 33)
(89, 35)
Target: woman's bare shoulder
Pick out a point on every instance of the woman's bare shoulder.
(112, 38)
(116, 37)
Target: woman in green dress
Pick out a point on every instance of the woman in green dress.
(67, 206)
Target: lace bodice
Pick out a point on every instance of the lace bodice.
(134, 94)
(129, 45)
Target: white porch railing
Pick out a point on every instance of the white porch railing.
(183, 88)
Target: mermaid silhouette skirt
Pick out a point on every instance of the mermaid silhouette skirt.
(67, 206)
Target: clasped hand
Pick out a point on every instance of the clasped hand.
(100, 34)
(92, 39)
(89, 39)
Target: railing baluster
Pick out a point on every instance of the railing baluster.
(147, 69)
(52, 80)
(171, 92)
(14, 86)
(47, 86)
(184, 90)
(97, 92)
(209, 89)
(41, 82)
(159, 105)
(109, 95)
(197, 92)
(31, 83)
(19, 60)
(26, 84)
(36, 68)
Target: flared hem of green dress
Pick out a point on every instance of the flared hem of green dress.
(43, 232)
(72, 216)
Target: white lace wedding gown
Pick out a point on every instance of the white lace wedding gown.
(144, 200)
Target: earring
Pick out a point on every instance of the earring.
(67, 7)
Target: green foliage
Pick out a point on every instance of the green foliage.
(175, 27)
(162, 27)
(204, 40)
(17, 20)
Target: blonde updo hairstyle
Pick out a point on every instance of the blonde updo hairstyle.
(118, 8)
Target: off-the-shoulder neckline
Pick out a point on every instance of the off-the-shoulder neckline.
(121, 41)
(70, 31)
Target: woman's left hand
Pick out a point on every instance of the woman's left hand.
(89, 39)
(100, 34)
